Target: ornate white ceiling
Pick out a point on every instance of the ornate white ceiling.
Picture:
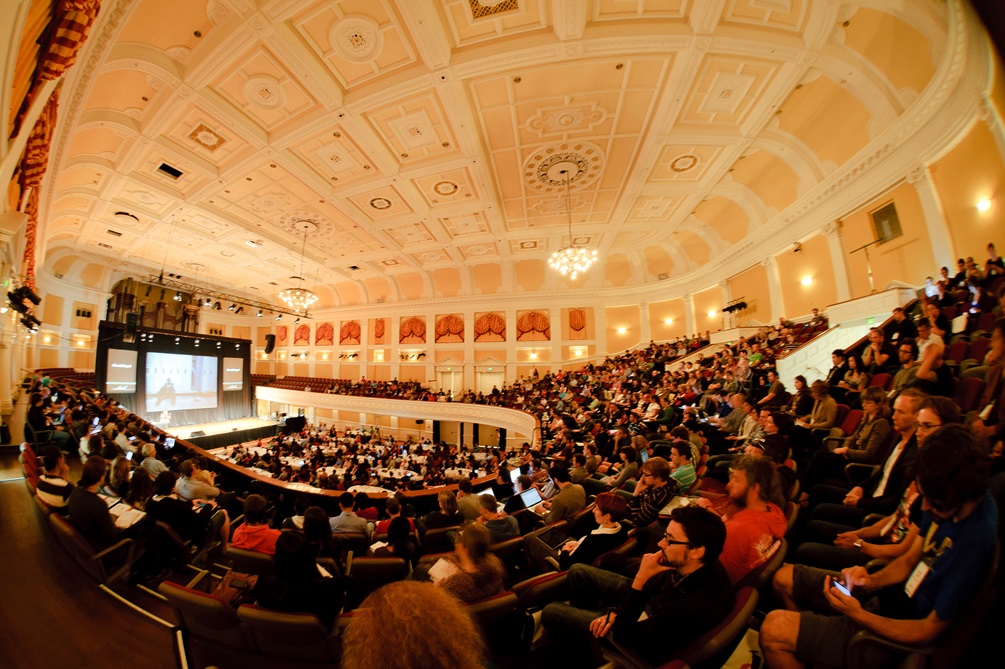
(425, 138)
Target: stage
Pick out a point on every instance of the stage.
(225, 433)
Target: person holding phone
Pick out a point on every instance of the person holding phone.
(921, 591)
(682, 586)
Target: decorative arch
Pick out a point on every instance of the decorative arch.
(577, 324)
(302, 335)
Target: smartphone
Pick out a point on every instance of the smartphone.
(841, 586)
(129, 455)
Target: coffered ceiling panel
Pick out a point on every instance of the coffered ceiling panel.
(474, 21)
(789, 15)
(357, 41)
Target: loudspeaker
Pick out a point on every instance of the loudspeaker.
(132, 320)
(270, 343)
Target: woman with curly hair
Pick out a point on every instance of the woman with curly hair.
(407, 607)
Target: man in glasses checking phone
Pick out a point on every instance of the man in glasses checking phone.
(682, 587)
(919, 592)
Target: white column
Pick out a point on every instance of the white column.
(555, 316)
(689, 321)
(391, 336)
(774, 288)
(833, 232)
(943, 249)
(644, 333)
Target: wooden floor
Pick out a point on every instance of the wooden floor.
(52, 614)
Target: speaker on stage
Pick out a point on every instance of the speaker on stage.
(198, 433)
(270, 343)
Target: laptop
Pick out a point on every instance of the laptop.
(531, 498)
(489, 493)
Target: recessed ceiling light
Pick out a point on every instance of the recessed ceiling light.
(254, 243)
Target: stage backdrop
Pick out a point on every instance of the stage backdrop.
(195, 378)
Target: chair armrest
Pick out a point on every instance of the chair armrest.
(863, 639)
(541, 530)
(115, 548)
(856, 472)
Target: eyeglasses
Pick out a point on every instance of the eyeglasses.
(671, 541)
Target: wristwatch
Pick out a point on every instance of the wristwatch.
(858, 545)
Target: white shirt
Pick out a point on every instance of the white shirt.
(888, 467)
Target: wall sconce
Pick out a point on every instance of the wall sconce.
(983, 204)
(807, 280)
(533, 355)
(46, 339)
(622, 331)
(324, 356)
(378, 356)
(667, 321)
(711, 313)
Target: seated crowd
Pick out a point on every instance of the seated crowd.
(666, 492)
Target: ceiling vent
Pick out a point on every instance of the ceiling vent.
(172, 172)
(104, 246)
(113, 233)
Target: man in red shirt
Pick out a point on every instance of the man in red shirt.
(754, 519)
(255, 534)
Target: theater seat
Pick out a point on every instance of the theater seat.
(205, 616)
(706, 647)
(251, 562)
(108, 566)
(292, 636)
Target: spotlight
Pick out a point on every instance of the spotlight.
(177, 296)
(147, 294)
(232, 307)
(259, 314)
(31, 322)
(279, 317)
(296, 322)
(207, 302)
(239, 310)
(217, 306)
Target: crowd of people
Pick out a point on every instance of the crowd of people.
(708, 464)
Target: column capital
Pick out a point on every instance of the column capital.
(831, 228)
(688, 298)
(769, 262)
(918, 175)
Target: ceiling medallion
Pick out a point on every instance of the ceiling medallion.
(445, 188)
(563, 166)
(265, 92)
(205, 137)
(357, 38)
(684, 163)
(380, 203)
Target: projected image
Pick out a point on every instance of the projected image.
(233, 374)
(120, 376)
(177, 382)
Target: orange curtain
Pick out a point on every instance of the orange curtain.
(33, 164)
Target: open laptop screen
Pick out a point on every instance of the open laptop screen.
(530, 497)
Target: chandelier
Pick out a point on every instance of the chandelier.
(571, 260)
(299, 298)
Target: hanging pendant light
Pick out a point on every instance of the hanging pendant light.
(299, 298)
(571, 260)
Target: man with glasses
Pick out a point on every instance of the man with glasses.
(653, 491)
(682, 587)
(890, 536)
(918, 593)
